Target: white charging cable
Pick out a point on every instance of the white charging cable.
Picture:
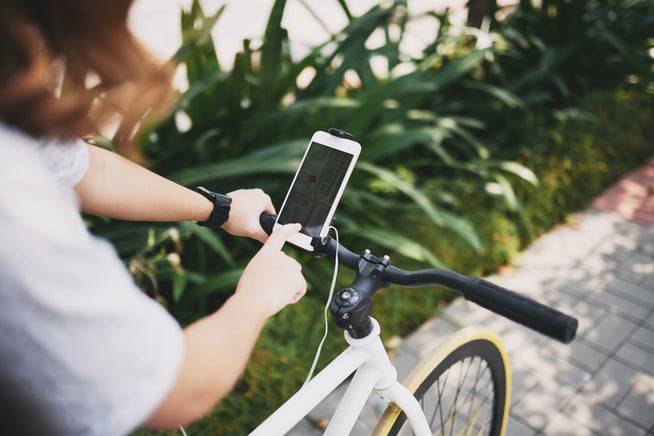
(325, 316)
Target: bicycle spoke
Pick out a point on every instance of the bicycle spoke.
(464, 396)
(469, 410)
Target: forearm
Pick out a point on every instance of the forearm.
(115, 187)
(216, 354)
(218, 346)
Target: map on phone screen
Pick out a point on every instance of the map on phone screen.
(315, 188)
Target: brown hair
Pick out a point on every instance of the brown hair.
(91, 41)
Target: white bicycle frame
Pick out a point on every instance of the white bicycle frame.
(373, 371)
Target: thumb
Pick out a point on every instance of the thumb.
(279, 236)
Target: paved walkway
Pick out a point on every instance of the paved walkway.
(600, 268)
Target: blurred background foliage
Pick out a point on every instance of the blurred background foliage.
(487, 139)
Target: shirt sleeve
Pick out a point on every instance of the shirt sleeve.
(83, 351)
(67, 162)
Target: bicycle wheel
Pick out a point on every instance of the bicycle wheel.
(463, 388)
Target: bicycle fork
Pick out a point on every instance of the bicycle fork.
(376, 374)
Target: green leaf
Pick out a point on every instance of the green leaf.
(234, 168)
(208, 236)
(440, 218)
(504, 95)
(221, 282)
(400, 245)
(271, 54)
(179, 284)
(519, 170)
(457, 68)
(507, 191)
(200, 86)
(394, 138)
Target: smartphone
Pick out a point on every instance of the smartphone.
(318, 185)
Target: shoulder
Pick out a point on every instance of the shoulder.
(66, 162)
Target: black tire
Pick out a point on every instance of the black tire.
(463, 388)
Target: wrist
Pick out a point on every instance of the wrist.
(221, 206)
(251, 307)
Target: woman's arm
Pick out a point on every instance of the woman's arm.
(218, 346)
(116, 187)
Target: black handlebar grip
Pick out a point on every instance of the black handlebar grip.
(521, 309)
(267, 221)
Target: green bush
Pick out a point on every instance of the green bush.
(248, 127)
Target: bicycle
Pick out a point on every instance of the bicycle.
(427, 403)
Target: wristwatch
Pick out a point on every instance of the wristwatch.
(221, 206)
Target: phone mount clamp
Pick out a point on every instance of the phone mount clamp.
(339, 133)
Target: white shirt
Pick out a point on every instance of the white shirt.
(82, 350)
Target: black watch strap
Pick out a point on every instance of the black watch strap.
(221, 206)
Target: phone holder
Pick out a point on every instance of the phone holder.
(267, 222)
(319, 246)
(339, 133)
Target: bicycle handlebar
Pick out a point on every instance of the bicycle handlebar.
(502, 301)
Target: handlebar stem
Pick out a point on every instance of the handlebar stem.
(351, 306)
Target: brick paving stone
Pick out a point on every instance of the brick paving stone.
(648, 283)
(582, 354)
(649, 322)
(582, 289)
(647, 247)
(562, 247)
(598, 265)
(636, 293)
(500, 325)
(523, 380)
(559, 300)
(611, 384)
(638, 405)
(518, 337)
(462, 313)
(600, 419)
(589, 316)
(424, 340)
(644, 337)
(637, 268)
(522, 282)
(618, 246)
(563, 425)
(596, 225)
(624, 307)
(636, 356)
(404, 362)
(548, 365)
(514, 427)
(542, 403)
(610, 332)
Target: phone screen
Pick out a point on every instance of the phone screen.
(315, 188)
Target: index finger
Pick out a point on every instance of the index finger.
(280, 234)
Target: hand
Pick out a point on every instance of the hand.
(272, 278)
(247, 205)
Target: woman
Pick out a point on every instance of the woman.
(82, 350)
